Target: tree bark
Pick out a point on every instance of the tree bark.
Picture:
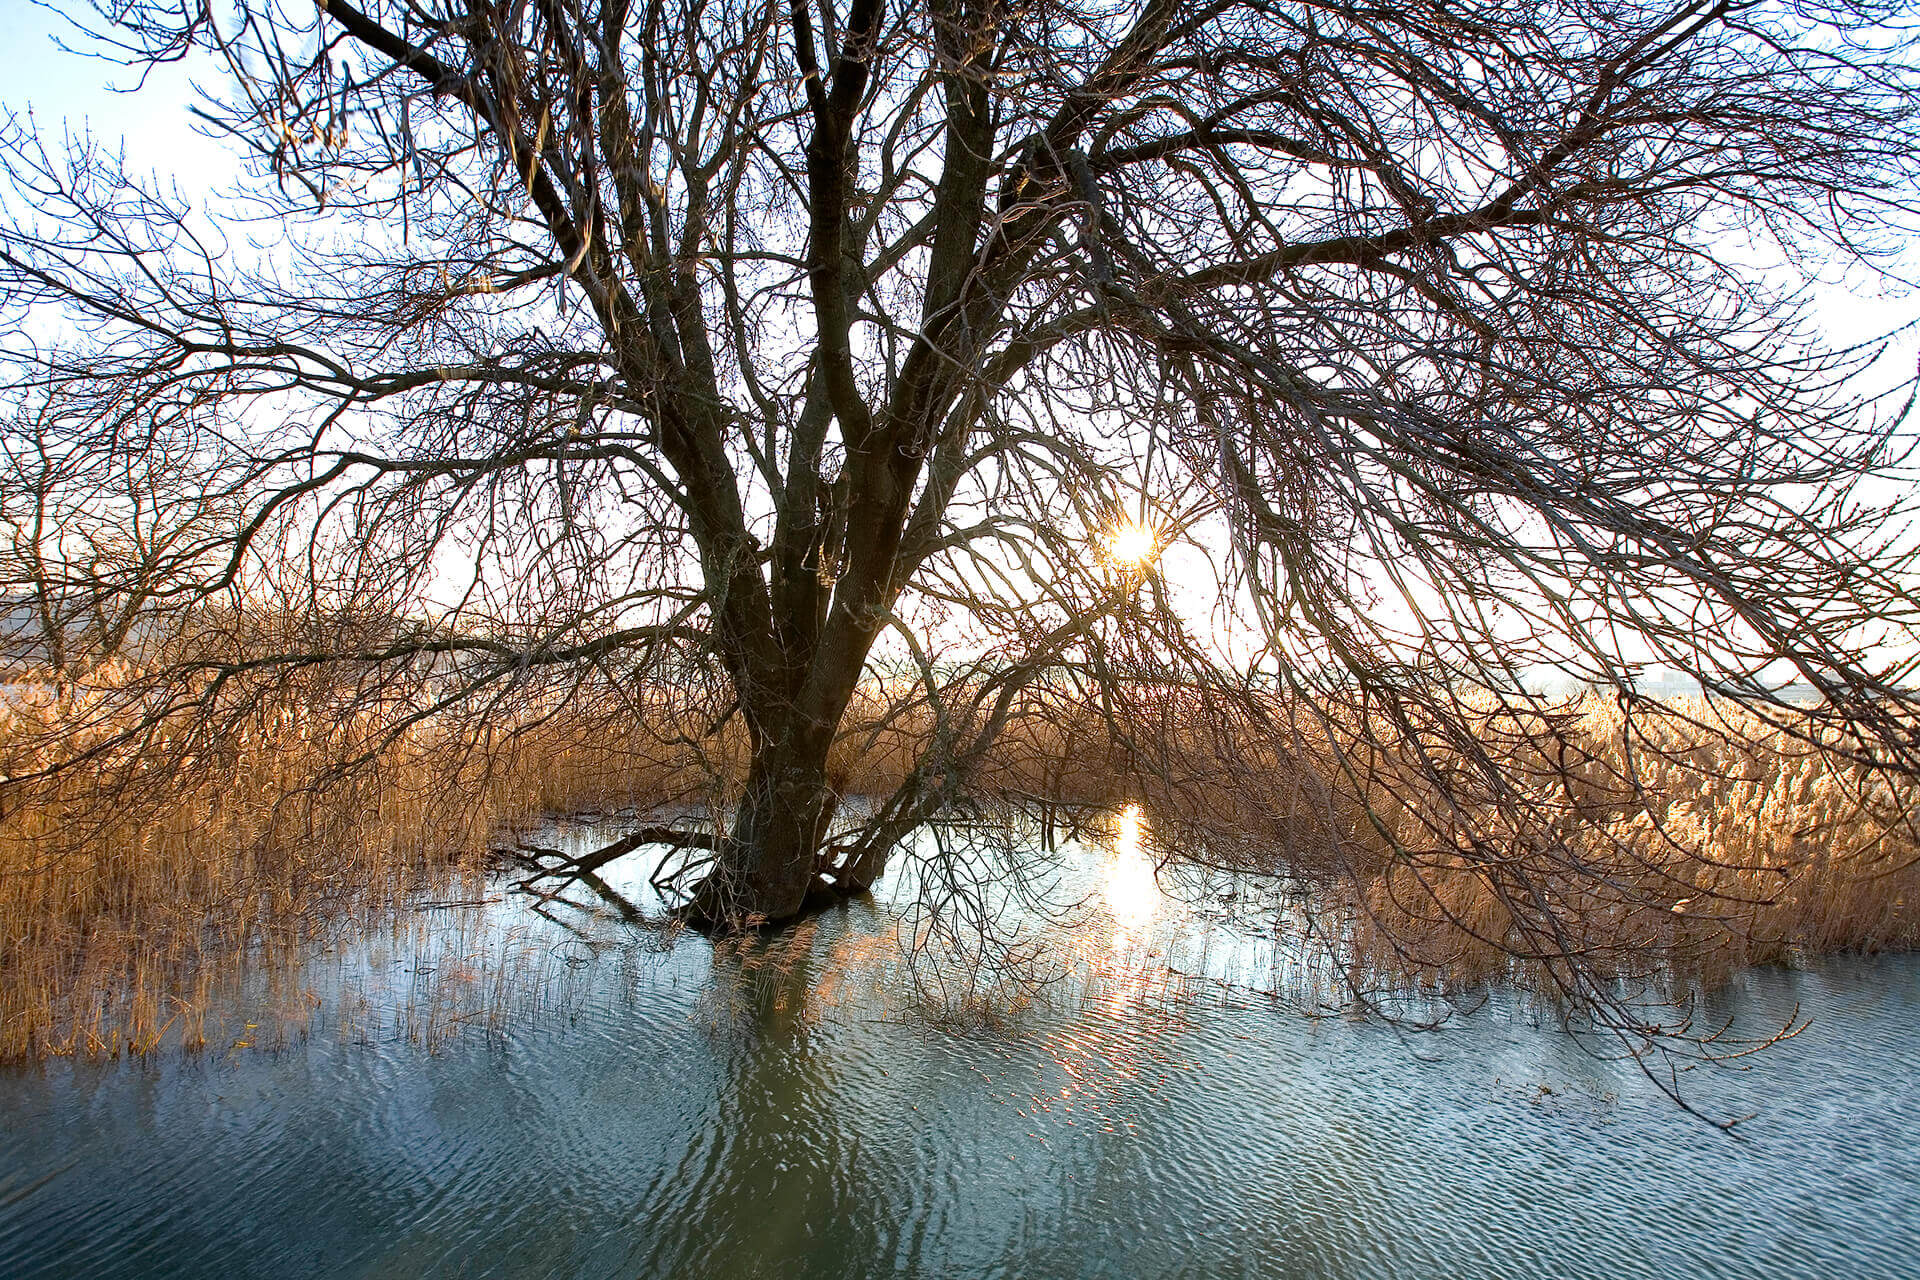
(769, 864)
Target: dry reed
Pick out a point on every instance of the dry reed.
(133, 885)
(1696, 844)
(130, 889)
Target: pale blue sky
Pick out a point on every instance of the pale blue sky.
(63, 88)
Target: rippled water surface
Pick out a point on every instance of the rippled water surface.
(487, 1091)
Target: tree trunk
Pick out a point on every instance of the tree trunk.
(768, 864)
(773, 864)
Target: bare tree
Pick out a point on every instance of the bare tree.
(773, 352)
(93, 540)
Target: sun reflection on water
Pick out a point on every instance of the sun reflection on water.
(1132, 894)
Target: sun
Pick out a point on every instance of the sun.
(1132, 544)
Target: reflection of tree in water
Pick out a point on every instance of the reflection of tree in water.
(809, 1083)
(561, 904)
(986, 927)
(777, 986)
(773, 1164)
(1003, 923)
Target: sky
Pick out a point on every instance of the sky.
(150, 115)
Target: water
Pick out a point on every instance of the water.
(487, 1092)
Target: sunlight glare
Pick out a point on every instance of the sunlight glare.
(1132, 893)
(1132, 545)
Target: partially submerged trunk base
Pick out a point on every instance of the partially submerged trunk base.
(727, 898)
(748, 904)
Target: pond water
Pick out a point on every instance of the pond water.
(485, 1090)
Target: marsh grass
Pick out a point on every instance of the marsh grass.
(138, 890)
(136, 885)
(1690, 846)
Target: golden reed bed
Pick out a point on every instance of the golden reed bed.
(132, 886)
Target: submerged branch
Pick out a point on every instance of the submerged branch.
(584, 865)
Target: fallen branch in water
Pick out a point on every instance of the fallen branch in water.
(573, 868)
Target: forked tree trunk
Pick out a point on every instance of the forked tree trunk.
(772, 866)
(764, 869)
(796, 665)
